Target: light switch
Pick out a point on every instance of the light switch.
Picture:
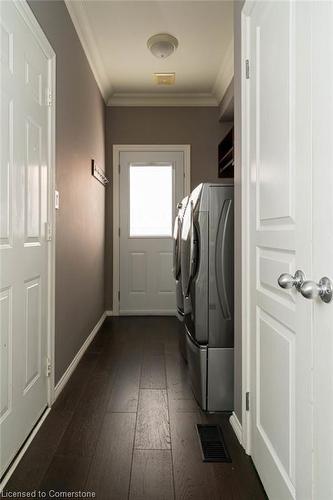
(56, 200)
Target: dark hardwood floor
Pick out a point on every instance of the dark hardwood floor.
(124, 426)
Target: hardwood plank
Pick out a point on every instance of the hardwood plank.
(66, 473)
(154, 346)
(71, 394)
(31, 469)
(108, 358)
(81, 436)
(194, 479)
(97, 392)
(152, 428)
(172, 339)
(152, 477)
(125, 392)
(178, 383)
(183, 405)
(109, 474)
(153, 372)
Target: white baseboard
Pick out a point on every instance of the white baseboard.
(148, 312)
(236, 425)
(66, 376)
(108, 313)
(22, 451)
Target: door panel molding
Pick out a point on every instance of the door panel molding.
(120, 148)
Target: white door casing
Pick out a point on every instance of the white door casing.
(287, 221)
(117, 149)
(27, 219)
(146, 281)
(322, 243)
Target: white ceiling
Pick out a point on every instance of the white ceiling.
(114, 36)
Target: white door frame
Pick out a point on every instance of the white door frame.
(245, 215)
(117, 149)
(30, 20)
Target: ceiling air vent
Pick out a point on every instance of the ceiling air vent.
(165, 78)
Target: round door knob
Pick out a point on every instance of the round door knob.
(312, 290)
(287, 281)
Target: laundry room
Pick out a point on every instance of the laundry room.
(165, 267)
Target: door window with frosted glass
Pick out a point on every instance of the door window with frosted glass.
(151, 201)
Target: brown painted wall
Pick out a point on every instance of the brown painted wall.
(80, 119)
(197, 126)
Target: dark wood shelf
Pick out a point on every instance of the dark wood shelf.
(226, 156)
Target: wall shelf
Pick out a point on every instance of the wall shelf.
(226, 156)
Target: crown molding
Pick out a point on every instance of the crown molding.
(225, 73)
(165, 99)
(82, 27)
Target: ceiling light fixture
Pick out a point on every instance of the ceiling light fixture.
(162, 45)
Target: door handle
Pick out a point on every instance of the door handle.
(288, 281)
(323, 290)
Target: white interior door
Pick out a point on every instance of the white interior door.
(281, 222)
(151, 185)
(23, 245)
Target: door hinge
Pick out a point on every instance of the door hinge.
(48, 367)
(119, 168)
(48, 231)
(119, 232)
(247, 401)
(247, 69)
(49, 97)
(118, 295)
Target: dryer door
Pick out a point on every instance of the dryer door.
(194, 249)
(186, 248)
(176, 248)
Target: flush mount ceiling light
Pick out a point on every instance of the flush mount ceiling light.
(162, 45)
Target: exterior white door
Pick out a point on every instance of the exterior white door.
(289, 118)
(24, 214)
(151, 185)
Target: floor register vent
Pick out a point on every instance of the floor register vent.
(212, 444)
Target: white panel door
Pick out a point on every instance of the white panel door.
(151, 185)
(23, 245)
(279, 91)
